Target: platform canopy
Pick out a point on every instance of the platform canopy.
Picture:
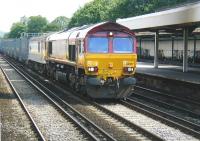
(178, 20)
(173, 18)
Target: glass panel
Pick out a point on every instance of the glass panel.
(98, 45)
(122, 45)
(50, 47)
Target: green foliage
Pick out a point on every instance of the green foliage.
(6, 35)
(51, 27)
(61, 21)
(36, 24)
(92, 12)
(16, 30)
(24, 20)
(106, 10)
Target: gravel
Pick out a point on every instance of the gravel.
(51, 123)
(15, 124)
(177, 103)
(174, 112)
(115, 128)
(156, 127)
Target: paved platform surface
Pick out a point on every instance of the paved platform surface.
(170, 72)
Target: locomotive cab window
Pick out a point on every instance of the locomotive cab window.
(122, 45)
(98, 45)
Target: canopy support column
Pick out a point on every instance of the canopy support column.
(195, 45)
(156, 49)
(172, 48)
(140, 48)
(185, 50)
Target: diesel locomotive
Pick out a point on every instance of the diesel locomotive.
(98, 60)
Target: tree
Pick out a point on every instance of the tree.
(36, 24)
(24, 20)
(61, 21)
(6, 35)
(92, 12)
(16, 30)
(51, 27)
(106, 10)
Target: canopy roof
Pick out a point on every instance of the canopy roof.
(174, 18)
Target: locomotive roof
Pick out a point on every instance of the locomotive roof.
(81, 32)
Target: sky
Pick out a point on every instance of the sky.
(12, 10)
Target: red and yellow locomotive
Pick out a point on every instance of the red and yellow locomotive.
(99, 59)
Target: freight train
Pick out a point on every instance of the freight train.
(98, 59)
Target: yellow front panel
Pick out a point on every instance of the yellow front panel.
(110, 65)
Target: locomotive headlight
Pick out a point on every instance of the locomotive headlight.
(93, 69)
(110, 34)
(128, 69)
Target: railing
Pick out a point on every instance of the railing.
(28, 35)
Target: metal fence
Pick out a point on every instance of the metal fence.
(165, 55)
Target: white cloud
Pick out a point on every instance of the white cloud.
(12, 10)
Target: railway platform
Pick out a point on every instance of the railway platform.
(170, 72)
(170, 79)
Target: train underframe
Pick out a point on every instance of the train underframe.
(114, 89)
(88, 85)
(41, 68)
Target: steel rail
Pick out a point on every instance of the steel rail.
(169, 96)
(164, 104)
(128, 123)
(41, 137)
(163, 116)
(109, 137)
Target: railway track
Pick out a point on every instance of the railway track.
(89, 128)
(135, 132)
(34, 125)
(168, 96)
(187, 121)
(150, 123)
(189, 109)
(120, 119)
